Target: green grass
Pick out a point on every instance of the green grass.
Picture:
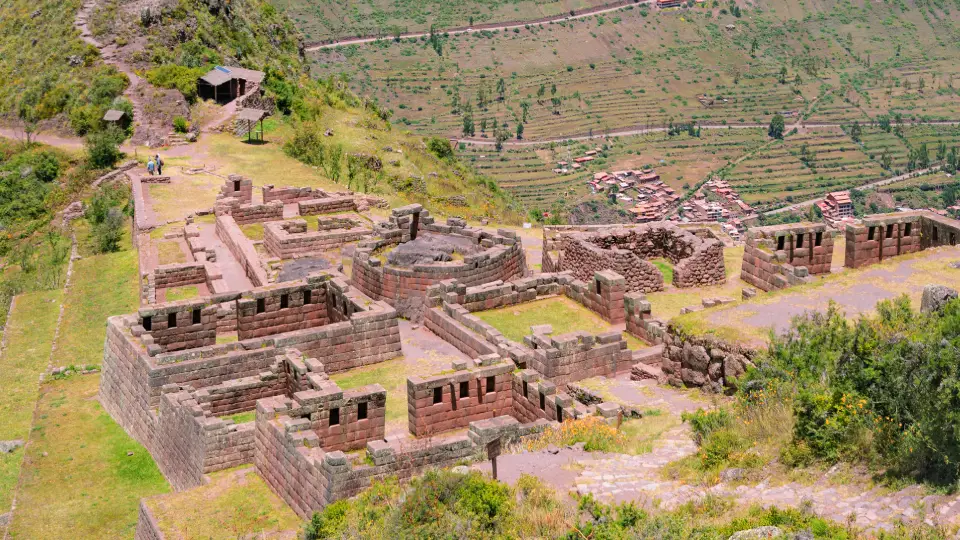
(29, 336)
(182, 293)
(242, 418)
(392, 375)
(666, 268)
(253, 231)
(235, 504)
(78, 480)
(563, 314)
(102, 286)
(169, 252)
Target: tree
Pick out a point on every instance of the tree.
(555, 102)
(468, 129)
(953, 161)
(482, 95)
(519, 131)
(941, 151)
(440, 147)
(483, 125)
(884, 123)
(783, 75)
(107, 234)
(525, 107)
(435, 41)
(103, 148)
(553, 89)
(754, 45)
(334, 162)
(501, 89)
(777, 126)
(540, 92)
(886, 161)
(855, 131)
(797, 81)
(501, 136)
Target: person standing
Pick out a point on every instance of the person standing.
(150, 167)
(159, 165)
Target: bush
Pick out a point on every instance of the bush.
(597, 436)
(180, 124)
(705, 422)
(108, 234)
(306, 145)
(103, 148)
(181, 78)
(440, 147)
(46, 166)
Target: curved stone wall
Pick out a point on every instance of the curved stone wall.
(698, 260)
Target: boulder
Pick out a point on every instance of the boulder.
(9, 446)
(935, 297)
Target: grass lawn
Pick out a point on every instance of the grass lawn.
(391, 375)
(169, 252)
(667, 304)
(29, 338)
(182, 293)
(242, 418)
(253, 231)
(666, 268)
(78, 481)
(186, 194)
(235, 504)
(563, 314)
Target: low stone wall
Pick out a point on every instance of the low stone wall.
(147, 528)
(237, 187)
(186, 324)
(456, 334)
(697, 256)
(639, 319)
(291, 460)
(703, 362)
(405, 288)
(290, 239)
(783, 255)
(245, 214)
(536, 399)
(880, 237)
(287, 195)
(327, 204)
(444, 402)
(242, 249)
(281, 308)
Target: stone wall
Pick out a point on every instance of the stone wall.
(880, 237)
(779, 256)
(537, 399)
(237, 187)
(291, 460)
(327, 204)
(697, 256)
(248, 213)
(639, 319)
(444, 402)
(287, 195)
(501, 258)
(147, 528)
(705, 362)
(281, 308)
(607, 303)
(186, 324)
(290, 239)
(242, 249)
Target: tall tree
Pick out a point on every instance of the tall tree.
(777, 126)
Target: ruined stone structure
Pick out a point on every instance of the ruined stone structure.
(230, 234)
(780, 256)
(705, 362)
(165, 377)
(882, 236)
(237, 187)
(290, 239)
(486, 256)
(697, 255)
(639, 318)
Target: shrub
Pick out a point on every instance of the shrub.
(181, 78)
(107, 235)
(705, 422)
(306, 145)
(597, 436)
(180, 124)
(440, 147)
(46, 166)
(103, 148)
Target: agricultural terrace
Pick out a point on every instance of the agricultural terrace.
(638, 68)
(631, 69)
(803, 166)
(680, 160)
(324, 21)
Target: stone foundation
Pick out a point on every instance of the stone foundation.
(290, 239)
(703, 362)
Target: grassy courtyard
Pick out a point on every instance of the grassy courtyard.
(563, 314)
(391, 375)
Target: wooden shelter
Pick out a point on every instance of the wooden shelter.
(251, 117)
(224, 84)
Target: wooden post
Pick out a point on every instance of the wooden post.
(493, 450)
(619, 418)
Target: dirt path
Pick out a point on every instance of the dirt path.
(509, 25)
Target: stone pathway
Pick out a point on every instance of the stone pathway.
(622, 478)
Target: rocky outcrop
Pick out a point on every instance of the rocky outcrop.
(935, 297)
(705, 362)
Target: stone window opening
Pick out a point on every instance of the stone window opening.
(906, 229)
(196, 316)
(261, 305)
(147, 323)
(799, 241)
(780, 242)
(524, 388)
(414, 225)
(437, 395)
(890, 230)
(559, 413)
(953, 238)
(870, 233)
(334, 417)
(172, 320)
(284, 301)
(491, 384)
(936, 234)
(464, 389)
(362, 411)
(236, 185)
(306, 297)
(818, 239)
(453, 397)
(543, 401)
(598, 286)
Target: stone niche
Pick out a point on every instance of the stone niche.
(780, 256)
(697, 256)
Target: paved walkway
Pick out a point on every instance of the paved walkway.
(231, 270)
